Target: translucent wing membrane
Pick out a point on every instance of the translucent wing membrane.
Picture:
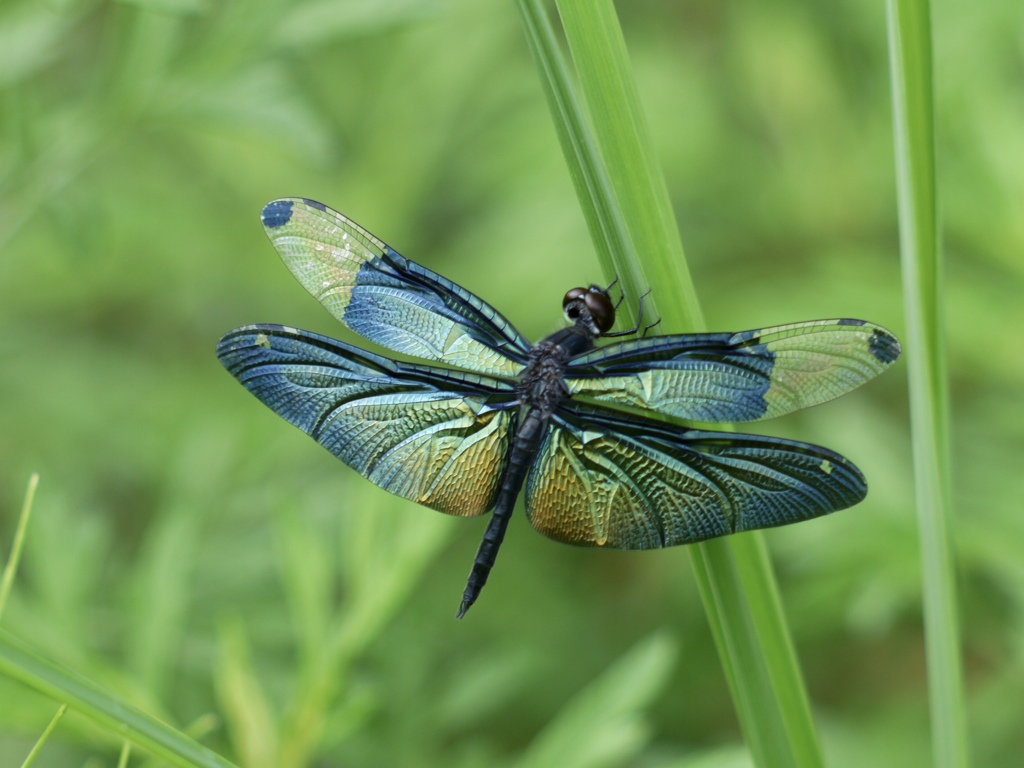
(386, 298)
(736, 376)
(439, 438)
(605, 480)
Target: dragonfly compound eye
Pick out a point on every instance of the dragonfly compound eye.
(573, 294)
(572, 303)
(601, 309)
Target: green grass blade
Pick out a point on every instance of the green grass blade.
(603, 724)
(910, 57)
(624, 148)
(618, 224)
(126, 753)
(384, 561)
(7, 580)
(735, 576)
(21, 663)
(248, 717)
(38, 746)
(608, 230)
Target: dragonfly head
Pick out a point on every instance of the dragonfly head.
(590, 308)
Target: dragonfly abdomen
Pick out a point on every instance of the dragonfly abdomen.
(527, 439)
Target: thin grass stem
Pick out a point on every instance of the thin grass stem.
(7, 580)
(44, 736)
(910, 59)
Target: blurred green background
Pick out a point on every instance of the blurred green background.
(193, 553)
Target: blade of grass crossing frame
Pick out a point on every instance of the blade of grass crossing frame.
(126, 753)
(21, 663)
(7, 580)
(44, 737)
(621, 138)
(910, 59)
(735, 576)
(608, 230)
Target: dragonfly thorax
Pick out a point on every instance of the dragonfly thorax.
(542, 383)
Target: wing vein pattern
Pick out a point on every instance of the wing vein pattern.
(386, 298)
(607, 479)
(437, 437)
(747, 376)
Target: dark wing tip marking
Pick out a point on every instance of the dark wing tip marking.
(277, 214)
(884, 346)
(314, 204)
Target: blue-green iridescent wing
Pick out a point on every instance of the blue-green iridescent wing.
(386, 298)
(602, 479)
(720, 377)
(437, 437)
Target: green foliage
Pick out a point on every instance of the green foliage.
(196, 558)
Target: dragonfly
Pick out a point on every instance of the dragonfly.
(563, 418)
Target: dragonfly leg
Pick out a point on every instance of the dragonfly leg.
(639, 319)
(622, 293)
(648, 327)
